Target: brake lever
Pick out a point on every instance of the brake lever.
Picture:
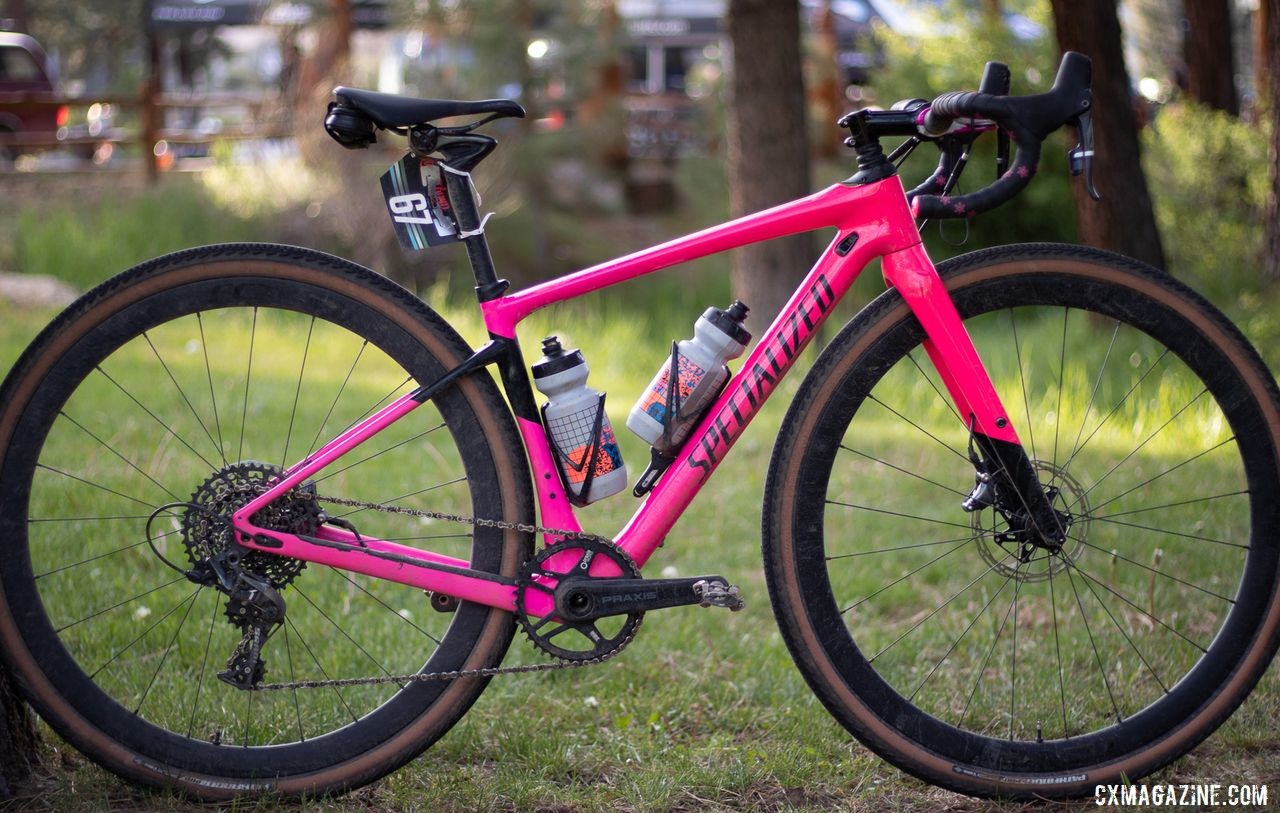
(1002, 152)
(1080, 157)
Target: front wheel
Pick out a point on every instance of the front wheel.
(197, 378)
(997, 668)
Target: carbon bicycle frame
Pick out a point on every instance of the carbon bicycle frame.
(871, 220)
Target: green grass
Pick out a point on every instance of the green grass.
(703, 711)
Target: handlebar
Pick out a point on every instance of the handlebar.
(1028, 119)
(996, 81)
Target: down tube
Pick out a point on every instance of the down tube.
(744, 395)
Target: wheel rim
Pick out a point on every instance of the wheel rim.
(147, 658)
(1104, 659)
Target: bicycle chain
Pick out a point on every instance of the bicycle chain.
(455, 674)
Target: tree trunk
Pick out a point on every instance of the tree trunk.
(768, 147)
(1210, 58)
(992, 15)
(1268, 21)
(19, 741)
(828, 95)
(16, 12)
(333, 49)
(1123, 220)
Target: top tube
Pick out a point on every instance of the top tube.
(877, 211)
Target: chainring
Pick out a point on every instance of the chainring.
(582, 640)
(205, 534)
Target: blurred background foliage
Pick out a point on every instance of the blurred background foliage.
(562, 182)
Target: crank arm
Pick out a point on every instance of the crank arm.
(582, 599)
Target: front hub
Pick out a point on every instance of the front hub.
(1012, 544)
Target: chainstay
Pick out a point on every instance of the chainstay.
(479, 522)
(455, 674)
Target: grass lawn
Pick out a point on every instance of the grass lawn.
(704, 711)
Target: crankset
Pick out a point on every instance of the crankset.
(590, 599)
(581, 598)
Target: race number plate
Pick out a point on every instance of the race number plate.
(415, 195)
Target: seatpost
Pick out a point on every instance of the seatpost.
(463, 200)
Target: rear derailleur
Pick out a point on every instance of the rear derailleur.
(254, 606)
(257, 609)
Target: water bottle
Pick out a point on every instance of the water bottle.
(582, 438)
(665, 414)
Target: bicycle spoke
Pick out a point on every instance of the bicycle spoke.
(899, 548)
(1139, 447)
(297, 393)
(934, 612)
(391, 503)
(977, 680)
(1167, 505)
(887, 464)
(213, 399)
(182, 393)
(973, 621)
(89, 519)
(121, 457)
(204, 663)
(342, 631)
(165, 657)
(39, 576)
(1026, 403)
(1084, 618)
(1062, 374)
(311, 448)
(941, 397)
(421, 434)
(311, 653)
(1013, 655)
(921, 429)
(1057, 648)
(1097, 382)
(1157, 572)
(1085, 575)
(145, 632)
(1176, 534)
(248, 374)
(95, 485)
(388, 607)
(163, 425)
(1191, 459)
(117, 605)
(899, 514)
(1116, 408)
(1128, 639)
(905, 576)
(377, 405)
(293, 678)
(246, 737)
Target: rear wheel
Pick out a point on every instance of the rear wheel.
(196, 378)
(942, 640)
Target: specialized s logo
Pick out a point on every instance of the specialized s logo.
(769, 363)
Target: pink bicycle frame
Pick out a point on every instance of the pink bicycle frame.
(871, 220)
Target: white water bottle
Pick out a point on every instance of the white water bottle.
(582, 438)
(665, 414)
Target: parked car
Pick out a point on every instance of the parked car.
(26, 69)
